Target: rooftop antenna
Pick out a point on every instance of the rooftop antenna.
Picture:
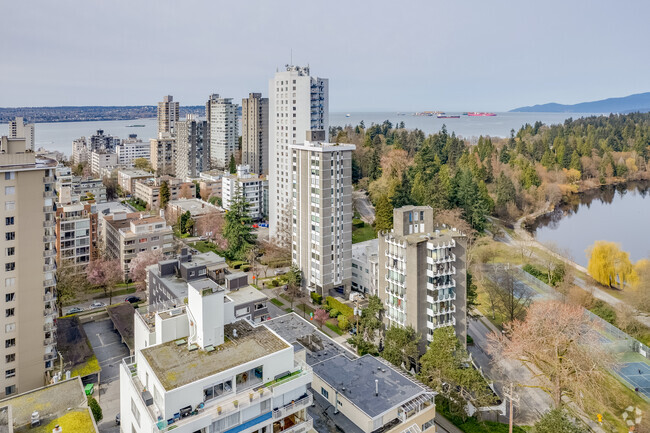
(291, 57)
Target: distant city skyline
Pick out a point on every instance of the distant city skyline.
(378, 56)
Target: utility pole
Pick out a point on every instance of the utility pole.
(512, 397)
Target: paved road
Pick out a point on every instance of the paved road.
(533, 401)
(107, 301)
(110, 351)
(363, 206)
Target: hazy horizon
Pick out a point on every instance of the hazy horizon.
(379, 56)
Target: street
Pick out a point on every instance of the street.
(363, 206)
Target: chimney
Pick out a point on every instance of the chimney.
(376, 387)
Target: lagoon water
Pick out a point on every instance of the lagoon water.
(612, 213)
(58, 136)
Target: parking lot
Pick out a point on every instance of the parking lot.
(109, 350)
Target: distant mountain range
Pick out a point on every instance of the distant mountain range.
(626, 104)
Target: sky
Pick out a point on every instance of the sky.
(379, 55)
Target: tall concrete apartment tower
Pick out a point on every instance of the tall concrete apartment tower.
(298, 103)
(255, 133)
(322, 212)
(19, 129)
(168, 113)
(28, 274)
(191, 141)
(422, 274)
(221, 115)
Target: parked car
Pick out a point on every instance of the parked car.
(132, 299)
(97, 304)
(75, 310)
(279, 272)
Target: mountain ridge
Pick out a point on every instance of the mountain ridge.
(624, 104)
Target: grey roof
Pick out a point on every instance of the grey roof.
(205, 283)
(355, 380)
(342, 369)
(235, 275)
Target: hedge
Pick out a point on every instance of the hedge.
(318, 299)
(334, 313)
(343, 309)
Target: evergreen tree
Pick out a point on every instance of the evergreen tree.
(374, 171)
(383, 214)
(164, 194)
(237, 229)
(575, 161)
(233, 166)
(505, 190)
(402, 196)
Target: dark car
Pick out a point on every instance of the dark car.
(117, 419)
(132, 299)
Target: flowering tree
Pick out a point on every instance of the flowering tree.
(321, 316)
(138, 266)
(211, 225)
(561, 342)
(105, 273)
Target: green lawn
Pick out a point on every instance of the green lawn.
(204, 246)
(276, 302)
(334, 328)
(363, 234)
(136, 204)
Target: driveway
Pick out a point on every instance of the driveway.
(109, 350)
(363, 206)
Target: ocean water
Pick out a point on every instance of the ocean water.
(59, 136)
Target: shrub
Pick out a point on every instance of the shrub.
(95, 409)
(357, 224)
(604, 311)
(340, 306)
(344, 323)
(273, 283)
(245, 268)
(334, 312)
(470, 340)
(238, 264)
(316, 298)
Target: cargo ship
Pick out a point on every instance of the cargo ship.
(429, 113)
(443, 116)
(477, 114)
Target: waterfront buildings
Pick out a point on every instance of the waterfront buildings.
(298, 103)
(168, 113)
(422, 274)
(149, 190)
(125, 235)
(76, 235)
(255, 133)
(221, 115)
(19, 129)
(365, 267)
(162, 153)
(357, 394)
(191, 147)
(321, 243)
(252, 187)
(127, 177)
(28, 272)
(131, 149)
(197, 368)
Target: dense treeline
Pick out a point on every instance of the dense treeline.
(509, 177)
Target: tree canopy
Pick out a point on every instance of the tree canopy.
(238, 230)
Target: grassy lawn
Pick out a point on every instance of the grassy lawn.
(334, 328)
(204, 246)
(276, 302)
(363, 234)
(136, 205)
(305, 308)
(484, 307)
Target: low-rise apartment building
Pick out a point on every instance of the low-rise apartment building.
(149, 190)
(252, 187)
(100, 160)
(358, 394)
(75, 189)
(125, 235)
(197, 208)
(127, 177)
(131, 149)
(365, 263)
(76, 235)
(422, 274)
(197, 368)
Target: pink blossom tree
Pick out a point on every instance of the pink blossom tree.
(138, 266)
(106, 274)
(321, 316)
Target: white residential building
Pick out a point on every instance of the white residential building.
(80, 152)
(298, 103)
(19, 129)
(221, 115)
(168, 113)
(198, 369)
(322, 212)
(253, 187)
(365, 262)
(100, 160)
(132, 149)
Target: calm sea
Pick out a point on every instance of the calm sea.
(59, 136)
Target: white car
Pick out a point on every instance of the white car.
(97, 304)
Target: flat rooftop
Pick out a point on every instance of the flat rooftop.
(195, 206)
(246, 294)
(63, 403)
(360, 249)
(176, 366)
(355, 379)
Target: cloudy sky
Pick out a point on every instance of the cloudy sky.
(379, 55)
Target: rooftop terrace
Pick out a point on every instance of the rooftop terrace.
(175, 365)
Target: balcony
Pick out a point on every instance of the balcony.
(49, 253)
(48, 327)
(49, 356)
(49, 179)
(48, 208)
(48, 341)
(49, 238)
(48, 223)
(49, 283)
(49, 194)
(301, 426)
(293, 407)
(48, 268)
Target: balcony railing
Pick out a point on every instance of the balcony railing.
(49, 238)
(49, 194)
(293, 407)
(48, 208)
(303, 427)
(50, 282)
(47, 268)
(48, 179)
(48, 223)
(49, 327)
(49, 253)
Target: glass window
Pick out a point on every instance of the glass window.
(10, 190)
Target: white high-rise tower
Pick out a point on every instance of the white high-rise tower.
(298, 103)
(221, 115)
